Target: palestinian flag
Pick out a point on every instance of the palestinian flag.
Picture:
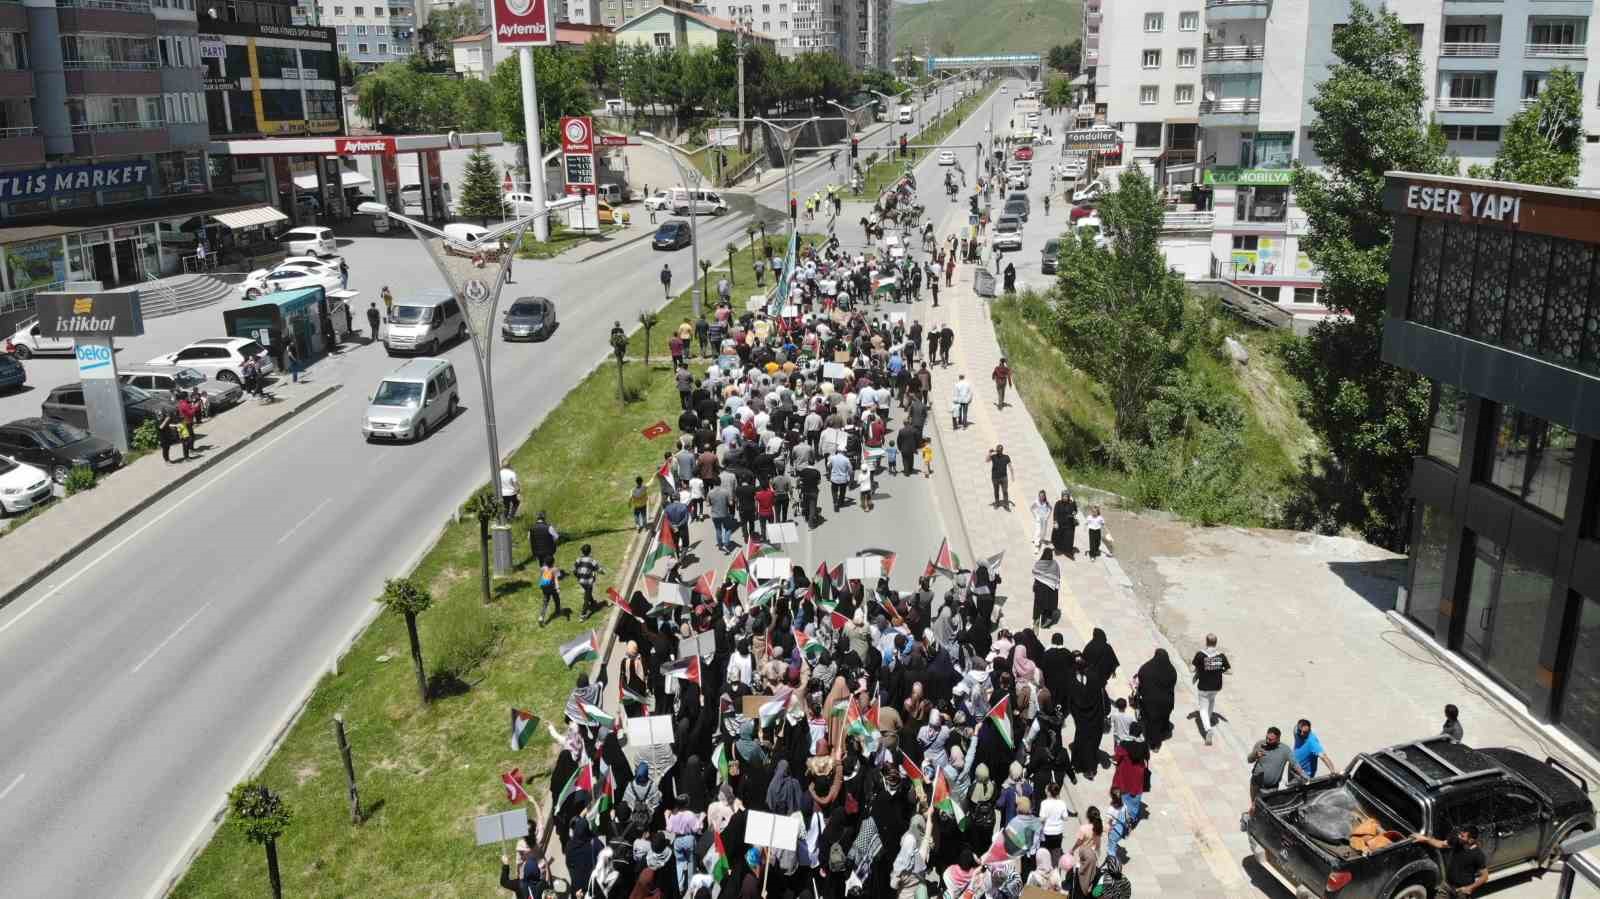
(885, 556)
(773, 710)
(943, 561)
(717, 859)
(664, 479)
(584, 648)
(808, 646)
(993, 562)
(857, 724)
(608, 793)
(594, 716)
(945, 801)
(720, 757)
(823, 583)
(881, 286)
(839, 709)
(522, 728)
(911, 768)
(651, 585)
(765, 594)
(581, 779)
(686, 669)
(515, 794)
(618, 601)
(666, 544)
(638, 699)
(739, 571)
(1000, 717)
(759, 550)
(894, 616)
(836, 620)
(706, 584)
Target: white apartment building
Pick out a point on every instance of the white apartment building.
(581, 12)
(369, 32)
(856, 31)
(1260, 64)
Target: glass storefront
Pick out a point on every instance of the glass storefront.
(1444, 430)
(34, 263)
(1532, 459)
(1580, 701)
(1508, 600)
(1435, 529)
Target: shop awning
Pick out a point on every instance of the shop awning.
(249, 218)
(347, 179)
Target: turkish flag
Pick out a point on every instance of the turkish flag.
(659, 429)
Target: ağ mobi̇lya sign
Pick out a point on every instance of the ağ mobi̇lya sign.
(37, 184)
(102, 314)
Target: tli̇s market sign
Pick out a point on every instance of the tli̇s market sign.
(37, 184)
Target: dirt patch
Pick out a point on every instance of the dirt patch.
(305, 773)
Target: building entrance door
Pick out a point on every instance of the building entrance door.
(102, 272)
(127, 263)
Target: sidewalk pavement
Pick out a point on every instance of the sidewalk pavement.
(69, 525)
(1302, 618)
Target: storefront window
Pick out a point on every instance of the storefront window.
(1261, 204)
(1532, 459)
(1580, 702)
(1435, 530)
(1273, 150)
(282, 106)
(1507, 603)
(324, 61)
(273, 60)
(35, 263)
(1444, 431)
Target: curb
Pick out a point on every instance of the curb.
(89, 539)
(644, 235)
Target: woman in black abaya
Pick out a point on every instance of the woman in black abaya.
(1046, 590)
(1066, 525)
(1085, 703)
(1158, 683)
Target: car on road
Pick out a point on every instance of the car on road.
(219, 357)
(56, 447)
(696, 202)
(1018, 178)
(1021, 198)
(1007, 233)
(947, 157)
(167, 380)
(672, 234)
(12, 375)
(1024, 152)
(1050, 255)
(1079, 212)
(418, 395)
(529, 318)
(66, 403)
(1070, 168)
(658, 201)
(22, 486)
(310, 241)
(1002, 88)
(1305, 834)
(1016, 208)
(1088, 193)
(27, 342)
(291, 274)
(424, 323)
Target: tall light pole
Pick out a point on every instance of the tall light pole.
(788, 142)
(695, 294)
(742, 26)
(480, 301)
(892, 112)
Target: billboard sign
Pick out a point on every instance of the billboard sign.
(364, 146)
(1226, 175)
(524, 23)
(577, 153)
(89, 314)
(1092, 139)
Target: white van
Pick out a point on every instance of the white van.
(412, 400)
(473, 234)
(424, 324)
(906, 112)
(310, 241)
(706, 202)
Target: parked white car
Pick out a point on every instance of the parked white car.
(219, 357)
(27, 342)
(1088, 193)
(310, 241)
(291, 274)
(658, 202)
(947, 157)
(22, 486)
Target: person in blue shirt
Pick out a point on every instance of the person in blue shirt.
(1308, 750)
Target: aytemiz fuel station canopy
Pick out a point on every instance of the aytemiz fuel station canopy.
(342, 145)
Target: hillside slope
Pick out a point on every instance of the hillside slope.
(984, 26)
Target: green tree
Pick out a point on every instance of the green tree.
(260, 815)
(562, 91)
(1058, 92)
(484, 506)
(480, 195)
(1369, 415)
(1543, 144)
(732, 249)
(1120, 309)
(445, 24)
(599, 62)
(1066, 57)
(648, 321)
(404, 597)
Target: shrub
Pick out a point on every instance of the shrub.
(79, 479)
(147, 436)
(459, 640)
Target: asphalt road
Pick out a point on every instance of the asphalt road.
(139, 681)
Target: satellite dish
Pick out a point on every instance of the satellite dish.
(453, 139)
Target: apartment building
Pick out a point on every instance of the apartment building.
(581, 12)
(1259, 66)
(103, 126)
(370, 33)
(795, 26)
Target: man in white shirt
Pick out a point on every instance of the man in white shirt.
(510, 491)
(839, 472)
(961, 396)
(741, 668)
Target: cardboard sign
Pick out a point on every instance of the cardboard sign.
(756, 303)
(769, 568)
(703, 645)
(773, 831)
(783, 533)
(675, 594)
(860, 568)
(791, 311)
(501, 827)
(834, 370)
(752, 705)
(652, 730)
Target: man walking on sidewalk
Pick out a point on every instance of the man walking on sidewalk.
(666, 280)
(372, 320)
(1002, 380)
(1209, 665)
(839, 475)
(961, 398)
(1000, 475)
(510, 491)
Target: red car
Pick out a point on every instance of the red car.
(1024, 153)
(1079, 212)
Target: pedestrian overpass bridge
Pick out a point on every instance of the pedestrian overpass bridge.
(1031, 63)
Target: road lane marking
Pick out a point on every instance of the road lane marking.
(7, 791)
(163, 644)
(301, 523)
(159, 518)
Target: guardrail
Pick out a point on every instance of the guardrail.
(1236, 53)
(17, 300)
(118, 5)
(18, 130)
(1573, 50)
(1231, 104)
(1466, 104)
(1458, 48)
(1188, 221)
(92, 127)
(110, 65)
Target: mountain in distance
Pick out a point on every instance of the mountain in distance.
(983, 26)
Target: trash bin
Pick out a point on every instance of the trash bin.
(983, 283)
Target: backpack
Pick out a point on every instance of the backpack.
(838, 862)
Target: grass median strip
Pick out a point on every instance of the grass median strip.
(425, 772)
(887, 170)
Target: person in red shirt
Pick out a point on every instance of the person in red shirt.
(766, 498)
(1132, 760)
(875, 431)
(1002, 380)
(187, 410)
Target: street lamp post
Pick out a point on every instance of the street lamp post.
(480, 300)
(890, 112)
(696, 294)
(788, 141)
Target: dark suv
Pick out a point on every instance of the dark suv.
(67, 404)
(1522, 807)
(56, 446)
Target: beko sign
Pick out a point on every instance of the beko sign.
(101, 314)
(524, 23)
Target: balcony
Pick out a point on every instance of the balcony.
(13, 17)
(119, 138)
(1237, 10)
(112, 81)
(1229, 112)
(16, 83)
(1557, 51)
(1238, 59)
(22, 145)
(1466, 104)
(1476, 51)
(1188, 221)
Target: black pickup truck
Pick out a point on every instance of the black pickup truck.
(1523, 809)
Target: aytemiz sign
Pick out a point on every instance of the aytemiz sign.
(101, 314)
(577, 134)
(524, 23)
(364, 146)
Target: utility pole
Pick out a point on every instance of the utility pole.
(740, 25)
